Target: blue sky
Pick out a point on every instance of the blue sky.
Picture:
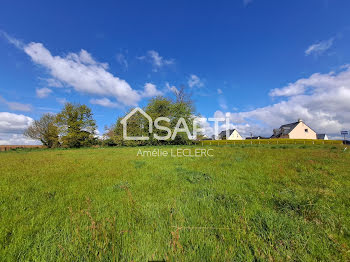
(265, 62)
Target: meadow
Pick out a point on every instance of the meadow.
(246, 203)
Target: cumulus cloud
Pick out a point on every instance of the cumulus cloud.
(151, 90)
(322, 101)
(16, 139)
(156, 60)
(15, 106)
(207, 126)
(12, 127)
(82, 72)
(43, 92)
(13, 123)
(319, 48)
(316, 82)
(195, 81)
(105, 102)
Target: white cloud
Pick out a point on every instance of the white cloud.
(322, 101)
(51, 82)
(156, 60)
(12, 127)
(316, 82)
(17, 139)
(43, 92)
(19, 106)
(105, 102)
(151, 90)
(207, 126)
(15, 106)
(62, 101)
(219, 91)
(11, 39)
(195, 81)
(223, 105)
(319, 48)
(13, 123)
(82, 72)
(122, 60)
(171, 88)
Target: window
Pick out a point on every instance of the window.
(306, 130)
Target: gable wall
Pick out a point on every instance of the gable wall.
(235, 136)
(299, 132)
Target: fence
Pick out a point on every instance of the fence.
(271, 142)
(6, 148)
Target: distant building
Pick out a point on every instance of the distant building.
(297, 130)
(257, 137)
(322, 136)
(233, 135)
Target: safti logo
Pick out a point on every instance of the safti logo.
(124, 122)
(178, 129)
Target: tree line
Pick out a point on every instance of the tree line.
(75, 126)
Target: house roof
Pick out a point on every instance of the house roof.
(285, 129)
(223, 133)
(257, 137)
(289, 127)
(321, 136)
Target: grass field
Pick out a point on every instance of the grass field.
(247, 203)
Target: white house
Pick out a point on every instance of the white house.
(233, 135)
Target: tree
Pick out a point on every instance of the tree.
(76, 125)
(137, 126)
(160, 107)
(182, 97)
(44, 130)
(181, 107)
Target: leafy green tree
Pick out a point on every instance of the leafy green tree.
(76, 125)
(181, 107)
(44, 130)
(160, 107)
(137, 126)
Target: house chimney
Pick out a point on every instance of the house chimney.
(300, 120)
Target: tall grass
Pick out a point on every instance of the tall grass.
(246, 203)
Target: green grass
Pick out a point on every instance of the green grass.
(247, 203)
